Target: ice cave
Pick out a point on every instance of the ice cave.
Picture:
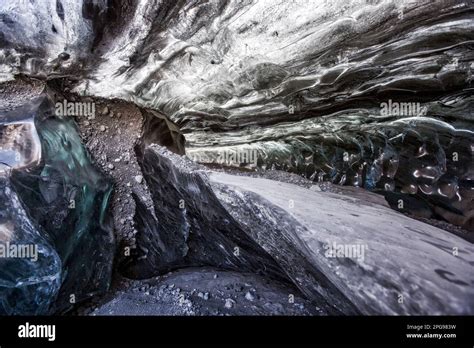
(237, 157)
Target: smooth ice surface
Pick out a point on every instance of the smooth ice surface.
(402, 256)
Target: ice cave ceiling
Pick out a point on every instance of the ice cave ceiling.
(300, 82)
(234, 68)
(370, 93)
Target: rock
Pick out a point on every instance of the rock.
(229, 303)
(105, 110)
(139, 179)
(110, 166)
(204, 296)
(249, 296)
(64, 56)
(102, 128)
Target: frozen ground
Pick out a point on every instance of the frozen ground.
(206, 291)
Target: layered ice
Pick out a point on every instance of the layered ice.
(369, 93)
(55, 203)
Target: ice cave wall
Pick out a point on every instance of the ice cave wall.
(376, 94)
(303, 85)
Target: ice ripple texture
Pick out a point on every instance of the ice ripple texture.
(301, 83)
